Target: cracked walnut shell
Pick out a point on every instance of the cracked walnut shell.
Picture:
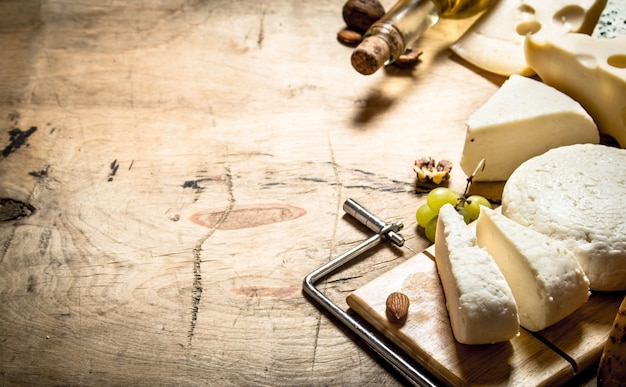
(429, 172)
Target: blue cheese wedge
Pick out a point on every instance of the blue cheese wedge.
(524, 118)
(496, 41)
(576, 194)
(611, 23)
(480, 304)
(544, 275)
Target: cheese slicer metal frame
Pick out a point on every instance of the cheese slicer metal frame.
(384, 231)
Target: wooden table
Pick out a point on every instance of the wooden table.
(176, 168)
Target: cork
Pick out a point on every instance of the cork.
(370, 55)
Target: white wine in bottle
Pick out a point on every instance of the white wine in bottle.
(402, 25)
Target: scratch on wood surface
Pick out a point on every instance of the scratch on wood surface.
(261, 36)
(266, 291)
(6, 244)
(40, 174)
(315, 340)
(196, 184)
(338, 185)
(363, 180)
(80, 313)
(196, 290)
(114, 166)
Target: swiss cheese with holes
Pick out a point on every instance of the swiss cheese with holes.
(496, 41)
(590, 70)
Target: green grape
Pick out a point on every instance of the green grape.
(472, 205)
(431, 229)
(424, 214)
(465, 214)
(440, 196)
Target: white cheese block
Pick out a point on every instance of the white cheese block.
(576, 194)
(590, 70)
(480, 304)
(524, 118)
(496, 41)
(546, 280)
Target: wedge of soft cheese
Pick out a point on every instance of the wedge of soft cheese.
(524, 118)
(576, 194)
(544, 275)
(590, 70)
(496, 41)
(480, 304)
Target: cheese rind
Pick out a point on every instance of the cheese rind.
(480, 304)
(545, 277)
(524, 118)
(590, 70)
(575, 194)
(496, 41)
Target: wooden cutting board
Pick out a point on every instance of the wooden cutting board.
(550, 357)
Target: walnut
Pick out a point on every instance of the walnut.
(359, 15)
(429, 172)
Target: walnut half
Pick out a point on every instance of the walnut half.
(429, 172)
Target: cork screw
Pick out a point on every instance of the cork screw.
(374, 223)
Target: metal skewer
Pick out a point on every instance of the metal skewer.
(384, 231)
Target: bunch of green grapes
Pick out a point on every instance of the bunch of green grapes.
(426, 215)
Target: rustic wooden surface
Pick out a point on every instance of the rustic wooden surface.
(180, 166)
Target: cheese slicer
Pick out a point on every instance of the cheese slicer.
(383, 232)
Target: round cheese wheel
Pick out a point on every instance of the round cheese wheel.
(576, 194)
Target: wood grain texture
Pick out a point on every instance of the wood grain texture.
(186, 162)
